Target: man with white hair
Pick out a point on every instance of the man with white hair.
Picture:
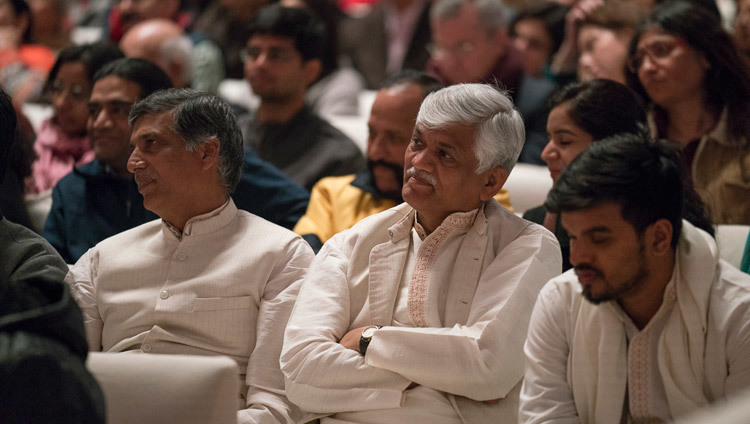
(418, 313)
(189, 63)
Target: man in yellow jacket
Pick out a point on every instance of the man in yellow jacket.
(337, 203)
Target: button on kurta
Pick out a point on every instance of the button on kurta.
(164, 294)
(146, 347)
(181, 257)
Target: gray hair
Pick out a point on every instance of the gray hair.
(499, 134)
(178, 48)
(198, 117)
(492, 13)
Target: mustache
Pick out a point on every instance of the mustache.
(396, 168)
(420, 175)
(587, 267)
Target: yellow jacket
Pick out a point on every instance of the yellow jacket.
(336, 205)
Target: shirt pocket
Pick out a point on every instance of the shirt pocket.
(221, 303)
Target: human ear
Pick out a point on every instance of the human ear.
(494, 181)
(660, 237)
(210, 153)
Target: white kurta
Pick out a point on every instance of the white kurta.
(665, 370)
(482, 304)
(226, 287)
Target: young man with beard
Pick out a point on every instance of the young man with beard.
(650, 324)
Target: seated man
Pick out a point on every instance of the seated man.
(450, 275)
(650, 324)
(206, 279)
(337, 203)
(100, 199)
(283, 58)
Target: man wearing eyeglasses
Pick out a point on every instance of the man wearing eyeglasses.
(471, 45)
(283, 57)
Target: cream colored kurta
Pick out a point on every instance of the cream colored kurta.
(590, 364)
(225, 287)
(481, 300)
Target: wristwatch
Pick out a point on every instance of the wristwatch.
(367, 334)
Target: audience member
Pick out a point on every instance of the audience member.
(61, 143)
(206, 279)
(227, 24)
(471, 44)
(685, 65)
(650, 324)
(450, 275)
(100, 199)
(283, 59)
(583, 113)
(43, 353)
(337, 89)
(603, 38)
(23, 253)
(165, 43)
(337, 203)
(23, 65)
(391, 37)
(537, 32)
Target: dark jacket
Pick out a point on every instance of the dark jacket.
(89, 205)
(42, 356)
(536, 215)
(25, 254)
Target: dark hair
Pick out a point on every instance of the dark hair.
(307, 31)
(92, 56)
(602, 107)
(330, 15)
(198, 117)
(709, 5)
(552, 16)
(20, 7)
(726, 83)
(421, 79)
(8, 122)
(645, 178)
(147, 75)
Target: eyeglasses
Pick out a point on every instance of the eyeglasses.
(273, 54)
(440, 52)
(656, 51)
(76, 91)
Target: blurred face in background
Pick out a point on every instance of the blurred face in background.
(535, 44)
(463, 51)
(669, 69)
(70, 91)
(603, 53)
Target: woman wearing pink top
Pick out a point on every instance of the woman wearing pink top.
(61, 143)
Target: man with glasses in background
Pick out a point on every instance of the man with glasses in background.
(471, 45)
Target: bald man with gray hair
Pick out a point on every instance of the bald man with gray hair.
(419, 313)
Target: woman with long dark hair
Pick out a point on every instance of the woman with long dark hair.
(687, 69)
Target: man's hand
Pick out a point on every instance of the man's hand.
(351, 339)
